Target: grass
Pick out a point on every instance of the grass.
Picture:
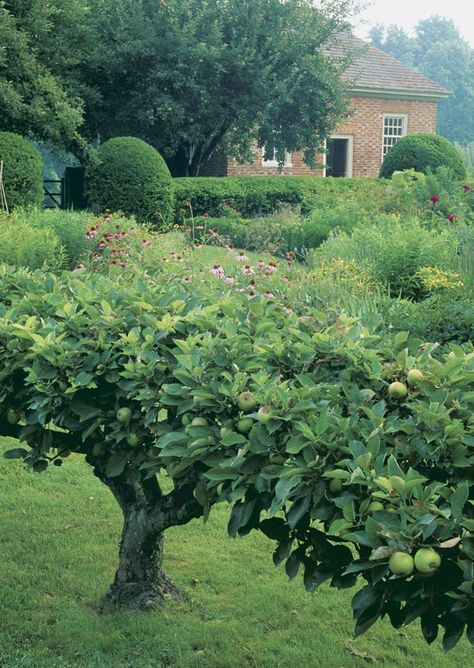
(58, 543)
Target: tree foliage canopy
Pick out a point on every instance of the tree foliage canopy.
(321, 437)
(39, 47)
(189, 77)
(439, 52)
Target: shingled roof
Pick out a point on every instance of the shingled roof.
(374, 70)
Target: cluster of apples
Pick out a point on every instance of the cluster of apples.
(426, 561)
(399, 390)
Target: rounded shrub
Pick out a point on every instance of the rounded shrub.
(22, 168)
(423, 152)
(129, 175)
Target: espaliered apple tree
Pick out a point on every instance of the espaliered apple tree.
(296, 423)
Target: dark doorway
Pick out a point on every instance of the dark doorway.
(337, 157)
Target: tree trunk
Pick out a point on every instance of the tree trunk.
(140, 581)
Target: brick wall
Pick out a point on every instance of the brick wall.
(365, 126)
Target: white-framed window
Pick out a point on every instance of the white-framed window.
(339, 156)
(394, 127)
(274, 161)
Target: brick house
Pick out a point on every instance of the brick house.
(388, 100)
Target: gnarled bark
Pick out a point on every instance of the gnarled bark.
(140, 581)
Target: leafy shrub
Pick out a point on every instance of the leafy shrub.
(393, 252)
(22, 170)
(24, 246)
(442, 318)
(328, 462)
(423, 152)
(283, 232)
(130, 176)
(248, 196)
(434, 197)
(68, 226)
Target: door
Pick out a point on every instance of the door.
(339, 156)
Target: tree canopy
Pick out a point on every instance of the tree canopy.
(37, 54)
(439, 52)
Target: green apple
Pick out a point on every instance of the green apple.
(244, 425)
(415, 376)
(375, 506)
(335, 485)
(98, 449)
(246, 401)
(185, 420)
(133, 440)
(264, 414)
(226, 431)
(124, 415)
(199, 422)
(401, 563)
(397, 390)
(427, 560)
(13, 417)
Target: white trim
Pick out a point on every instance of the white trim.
(274, 163)
(393, 114)
(349, 157)
(398, 94)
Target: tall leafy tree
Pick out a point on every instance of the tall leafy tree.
(36, 55)
(439, 52)
(192, 77)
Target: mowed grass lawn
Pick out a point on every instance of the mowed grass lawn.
(59, 533)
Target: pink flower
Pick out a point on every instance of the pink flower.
(260, 264)
(434, 198)
(102, 245)
(146, 243)
(452, 217)
(199, 227)
(229, 280)
(197, 246)
(241, 257)
(467, 189)
(286, 279)
(186, 279)
(247, 270)
(271, 267)
(268, 294)
(81, 266)
(218, 271)
(240, 289)
(214, 232)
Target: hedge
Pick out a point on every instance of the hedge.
(22, 168)
(423, 152)
(249, 196)
(277, 235)
(130, 176)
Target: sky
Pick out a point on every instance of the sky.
(407, 13)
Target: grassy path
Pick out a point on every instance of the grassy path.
(58, 542)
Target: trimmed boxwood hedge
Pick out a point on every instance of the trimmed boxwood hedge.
(423, 152)
(129, 175)
(250, 196)
(22, 169)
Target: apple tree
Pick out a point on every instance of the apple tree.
(352, 452)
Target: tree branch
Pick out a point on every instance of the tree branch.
(58, 438)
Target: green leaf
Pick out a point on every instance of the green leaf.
(297, 510)
(458, 500)
(116, 465)
(16, 453)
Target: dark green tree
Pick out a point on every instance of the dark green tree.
(439, 52)
(192, 77)
(36, 61)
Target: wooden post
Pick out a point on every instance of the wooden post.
(3, 197)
